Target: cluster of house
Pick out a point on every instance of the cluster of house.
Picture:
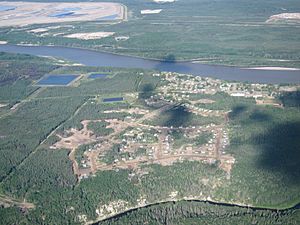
(181, 86)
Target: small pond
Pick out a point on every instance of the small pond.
(110, 17)
(116, 99)
(97, 75)
(61, 14)
(4, 8)
(57, 79)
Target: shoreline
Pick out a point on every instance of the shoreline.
(107, 59)
(273, 68)
(209, 201)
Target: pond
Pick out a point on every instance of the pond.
(116, 99)
(57, 80)
(111, 17)
(4, 8)
(61, 14)
(97, 75)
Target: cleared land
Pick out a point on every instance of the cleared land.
(26, 13)
(9, 202)
(160, 149)
(284, 17)
(90, 36)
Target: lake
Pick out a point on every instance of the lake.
(95, 58)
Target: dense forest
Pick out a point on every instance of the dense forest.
(20, 66)
(193, 212)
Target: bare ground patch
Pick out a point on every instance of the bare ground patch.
(284, 17)
(90, 36)
(160, 151)
(26, 13)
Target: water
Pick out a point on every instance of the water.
(4, 8)
(97, 75)
(117, 99)
(94, 58)
(72, 9)
(61, 14)
(111, 17)
(60, 80)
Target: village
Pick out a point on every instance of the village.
(140, 144)
(135, 143)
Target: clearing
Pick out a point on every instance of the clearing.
(90, 36)
(284, 17)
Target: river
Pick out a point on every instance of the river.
(96, 58)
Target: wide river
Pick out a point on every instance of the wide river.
(95, 58)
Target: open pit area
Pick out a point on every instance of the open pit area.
(28, 13)
(90, 36)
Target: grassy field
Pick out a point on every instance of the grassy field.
(227, 32)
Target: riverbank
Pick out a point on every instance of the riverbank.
(171, 59)
(210, 201)
(273, 68)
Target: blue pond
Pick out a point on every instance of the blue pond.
(117, 99)
(111, 17)
(6, 8)
(72, 9)
(57, 80)
(61, 14)
(97, 75)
